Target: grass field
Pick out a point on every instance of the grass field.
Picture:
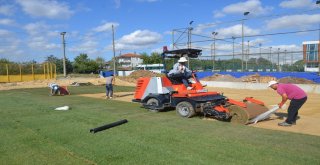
(33, 133)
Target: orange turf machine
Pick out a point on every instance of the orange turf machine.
(159, 93)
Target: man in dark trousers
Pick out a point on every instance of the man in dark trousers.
(109, 86)
(292, 92)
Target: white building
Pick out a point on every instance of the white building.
(311, 56)
(129, 60)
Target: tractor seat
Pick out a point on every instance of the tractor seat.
(176, 79)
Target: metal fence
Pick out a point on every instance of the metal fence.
(27, 72)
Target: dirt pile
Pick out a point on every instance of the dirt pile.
(44, 83)
(220, 77)
(132, 78)
(256, 78)
(295, 80)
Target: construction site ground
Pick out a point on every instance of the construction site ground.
(309, 114)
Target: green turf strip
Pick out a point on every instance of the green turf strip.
(33, 133)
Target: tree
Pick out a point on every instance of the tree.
(4, 61)
(59, 64)
(101, 62)
(145, 58)
(82, 64)
(298, 66)
(155, 58)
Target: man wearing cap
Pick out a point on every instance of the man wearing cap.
(292, 92)
(55, 89)
(180, 70)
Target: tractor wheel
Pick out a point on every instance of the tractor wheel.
(153, 102)
(185, 109)
(238, 115)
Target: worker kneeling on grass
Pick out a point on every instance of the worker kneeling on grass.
(292, 92)
(180, 71)
(55, 89)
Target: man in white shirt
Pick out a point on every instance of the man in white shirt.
(109, 86)
(180, 70)
(55, 89)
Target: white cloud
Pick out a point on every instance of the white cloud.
(88, 46)
(117, 3)
(296, 21)
(236, 31)
(298, 4)
(200, 28)
(4, 33)
(138, 39)
(8, 22)
(40, 35)
(10, 46)
(218, 14)
(105, 27)
(253, 6)
(7, 10)
(46, 8)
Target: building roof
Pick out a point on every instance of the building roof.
(129, 55)
(310, 42)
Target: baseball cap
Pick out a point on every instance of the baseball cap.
(272, 83)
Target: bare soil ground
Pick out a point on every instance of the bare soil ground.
(309, 114)
(61, 82)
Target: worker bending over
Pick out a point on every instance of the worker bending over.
(292, 92)
(55, 89)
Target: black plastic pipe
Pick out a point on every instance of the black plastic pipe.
(107, 126)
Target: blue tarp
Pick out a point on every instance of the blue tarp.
(106, 73)
(306, 75)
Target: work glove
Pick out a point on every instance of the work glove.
(280, 105)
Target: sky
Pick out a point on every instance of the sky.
(30, 29)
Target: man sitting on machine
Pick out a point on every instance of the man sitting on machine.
(181, 72)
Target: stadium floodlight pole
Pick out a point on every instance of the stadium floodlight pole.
(285, 57)
(270, 58)
(291, 61)
(242, 22)
(278, 59)
(64, 54)
(214, 49)
(318, 3)
(189, 39)
(233, 38)
(114, 52)
(247, 56)
(259, 55)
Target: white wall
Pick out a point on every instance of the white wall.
(309, 88)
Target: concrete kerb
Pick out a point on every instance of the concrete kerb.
(309, 88)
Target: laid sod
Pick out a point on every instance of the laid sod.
(33, 133)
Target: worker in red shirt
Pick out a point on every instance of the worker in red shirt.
(292, 92)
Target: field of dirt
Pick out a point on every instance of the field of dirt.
(309, 114)
(62, 82)
(256, 78)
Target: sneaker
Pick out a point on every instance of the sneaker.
(189, 88)
(285, 124)
(107, 97)
(110, 97)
